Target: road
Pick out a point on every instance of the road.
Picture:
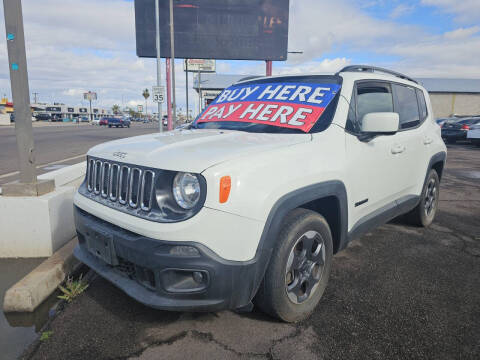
(397, 292)
(55, 143)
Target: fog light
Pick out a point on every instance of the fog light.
(184, 251)
(198, 277)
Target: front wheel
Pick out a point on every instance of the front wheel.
(299, 268)
(424, 213)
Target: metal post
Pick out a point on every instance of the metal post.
(35, 97)
(91, 113)
(200, 105)
(172, 48)
(269, 67)
(159, 61)
(186, 82)
(17, 61)
(169, 92)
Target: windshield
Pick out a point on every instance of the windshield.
(274, 105)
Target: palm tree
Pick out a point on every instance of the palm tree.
(146, 95)
(116, 109)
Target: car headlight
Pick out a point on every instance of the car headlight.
(186, 190)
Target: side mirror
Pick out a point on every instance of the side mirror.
(380, 123)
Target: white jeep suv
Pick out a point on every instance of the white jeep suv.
(250, 203)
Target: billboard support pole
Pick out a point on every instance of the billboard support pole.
(28, 185)
(269, 67)
(186, 82)
(199, 92)
(169, 92)
(159, 62)
(172, 44)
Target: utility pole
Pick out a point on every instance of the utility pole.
(172, 49)
(200, 106)
(159, 61)
(17, 61)
(186, 82)
(35, 97)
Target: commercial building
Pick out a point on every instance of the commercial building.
(449, 96)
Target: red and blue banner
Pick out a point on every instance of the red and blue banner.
(289, 105)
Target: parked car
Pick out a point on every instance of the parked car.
(84, 119)
(96, 122)
(56, 117)
(252, 202)
(473, 134)
(453, 132)
(118, 122)
(103, 121)
(43, 117)
(442, 121)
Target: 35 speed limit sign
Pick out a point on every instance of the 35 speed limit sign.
(158, 94)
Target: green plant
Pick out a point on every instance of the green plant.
(72, 288)
(46, 335)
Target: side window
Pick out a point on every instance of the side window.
(373, 97)
(422, 104)
(406, 104)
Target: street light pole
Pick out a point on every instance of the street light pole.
(159, 71)
(17, 61)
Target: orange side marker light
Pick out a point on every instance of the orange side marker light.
(225, 186)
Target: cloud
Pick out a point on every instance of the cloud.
(466, 11)
(401, 10)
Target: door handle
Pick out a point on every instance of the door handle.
(398, 149)
(427, 141)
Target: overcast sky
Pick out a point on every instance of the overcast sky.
(79, 45)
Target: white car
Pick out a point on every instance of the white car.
(249, 205)
(474, 134)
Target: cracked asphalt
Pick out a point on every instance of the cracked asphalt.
(398, 292)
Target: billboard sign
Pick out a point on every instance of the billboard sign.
(199, 65)
(213, 29)
(90, 96)
(288, 105)
(139, 108)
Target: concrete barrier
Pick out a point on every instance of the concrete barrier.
(4, 119)
(38, 226)
(39, 284)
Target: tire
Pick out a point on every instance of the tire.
(424, 213)
(284, 292)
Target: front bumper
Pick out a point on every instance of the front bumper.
(145, 269)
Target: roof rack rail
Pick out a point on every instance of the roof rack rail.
(371, 69)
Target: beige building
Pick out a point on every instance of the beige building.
(453, 96)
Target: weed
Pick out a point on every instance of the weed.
(46, 335)
(72, 288)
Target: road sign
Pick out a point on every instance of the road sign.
(90, 96)
(140, 108)
(200, 65)
(214, 29)
(158, 94)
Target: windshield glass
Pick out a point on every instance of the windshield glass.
(280, 105)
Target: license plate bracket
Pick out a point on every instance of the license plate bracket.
(100, 244)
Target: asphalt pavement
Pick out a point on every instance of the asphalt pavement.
(399, 292)
(58, 145)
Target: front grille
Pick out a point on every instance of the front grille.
(128, 185)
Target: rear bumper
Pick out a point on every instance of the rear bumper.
(458, 135)
(146, 269)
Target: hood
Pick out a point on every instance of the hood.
(192, 150)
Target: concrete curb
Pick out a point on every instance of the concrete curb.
(34, 288)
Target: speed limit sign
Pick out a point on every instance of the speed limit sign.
(158, 94)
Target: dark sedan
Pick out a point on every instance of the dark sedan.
(455, 131)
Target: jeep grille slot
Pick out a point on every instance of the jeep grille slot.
(146, 191)
(97, 177)
(123, 185)
(113, 184)
(127, 185)
(105, 178)
(134, 187)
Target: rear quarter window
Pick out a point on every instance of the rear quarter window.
(406, 105)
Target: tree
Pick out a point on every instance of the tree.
(146, 95)
(116, 109)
